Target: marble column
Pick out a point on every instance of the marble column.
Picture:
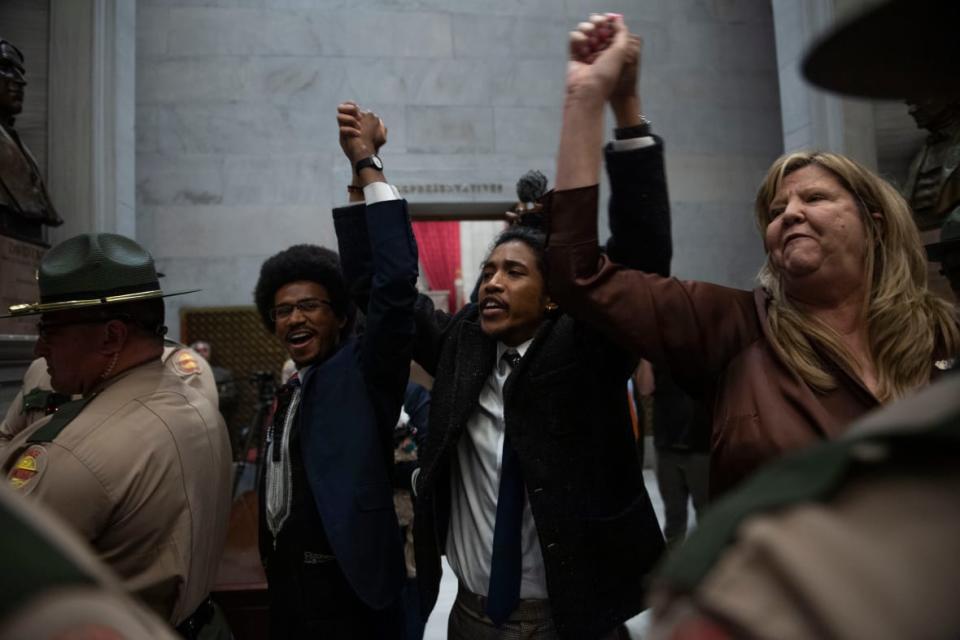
(814, 119)
(91, 152)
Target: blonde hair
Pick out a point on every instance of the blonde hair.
(907, 325)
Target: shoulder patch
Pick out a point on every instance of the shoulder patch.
(28, 468)
(185, 363)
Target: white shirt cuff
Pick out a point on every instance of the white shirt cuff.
(380, 192)
(633, 143)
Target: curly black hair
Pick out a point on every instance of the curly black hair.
(531, 236)
(303, 262)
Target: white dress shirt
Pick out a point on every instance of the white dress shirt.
(629, 144)
(475, 484)
(380, 192)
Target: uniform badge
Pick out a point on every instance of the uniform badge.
(28, 468)
(185, 363)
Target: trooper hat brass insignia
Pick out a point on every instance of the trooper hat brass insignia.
(92, 270)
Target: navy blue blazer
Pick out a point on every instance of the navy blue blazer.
(349, 406)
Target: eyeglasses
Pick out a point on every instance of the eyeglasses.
(305, 306)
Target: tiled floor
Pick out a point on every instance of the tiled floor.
(437, 624)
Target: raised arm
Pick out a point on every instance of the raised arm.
(638, 209)
(356, 256)
(387, 344)
(598, 53)
(350, 221)
(693, 328)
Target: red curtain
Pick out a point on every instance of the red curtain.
(439, 246)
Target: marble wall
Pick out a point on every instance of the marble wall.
(815, 119)
(237, 155)
(92, 116)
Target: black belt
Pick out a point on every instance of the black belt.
(190, 628)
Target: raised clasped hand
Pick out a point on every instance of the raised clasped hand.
(604, 57)
(362, 133)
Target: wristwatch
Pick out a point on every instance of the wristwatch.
(370, 161)
(636, 131)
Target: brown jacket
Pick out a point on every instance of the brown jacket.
(142, 472)
(713, 339)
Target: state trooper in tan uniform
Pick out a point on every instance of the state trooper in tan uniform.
(37, 399)
(140, 464)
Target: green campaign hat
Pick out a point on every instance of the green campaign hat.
(92, 270)
(949, 239)
(894, 49)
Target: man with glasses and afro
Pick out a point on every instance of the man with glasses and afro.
(329, 538)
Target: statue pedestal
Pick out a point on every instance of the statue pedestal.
(19, 262)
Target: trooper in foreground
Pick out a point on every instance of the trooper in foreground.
(72, 594)
(140, 464)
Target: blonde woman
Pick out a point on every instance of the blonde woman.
(841, 323)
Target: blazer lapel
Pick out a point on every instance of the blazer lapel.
(474, 364)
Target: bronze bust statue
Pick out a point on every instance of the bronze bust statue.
(25, 205)
(947, 251)
(933, 185)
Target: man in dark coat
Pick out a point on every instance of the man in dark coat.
(529, 481)
(329, 537)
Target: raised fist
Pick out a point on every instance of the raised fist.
(604, 57)
(362, 133)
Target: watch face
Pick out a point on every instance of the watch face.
(375, 160)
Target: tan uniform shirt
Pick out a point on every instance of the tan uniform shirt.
(143, 474)
(17, 417)
(65, 607)
(873, 563)
(875, 560)
(184, 361)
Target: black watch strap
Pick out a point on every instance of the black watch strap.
(637, 131)
(370, 161)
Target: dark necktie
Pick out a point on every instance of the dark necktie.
(503, 593)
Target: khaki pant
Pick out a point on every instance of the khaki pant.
(532, 620)
(681, 475)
